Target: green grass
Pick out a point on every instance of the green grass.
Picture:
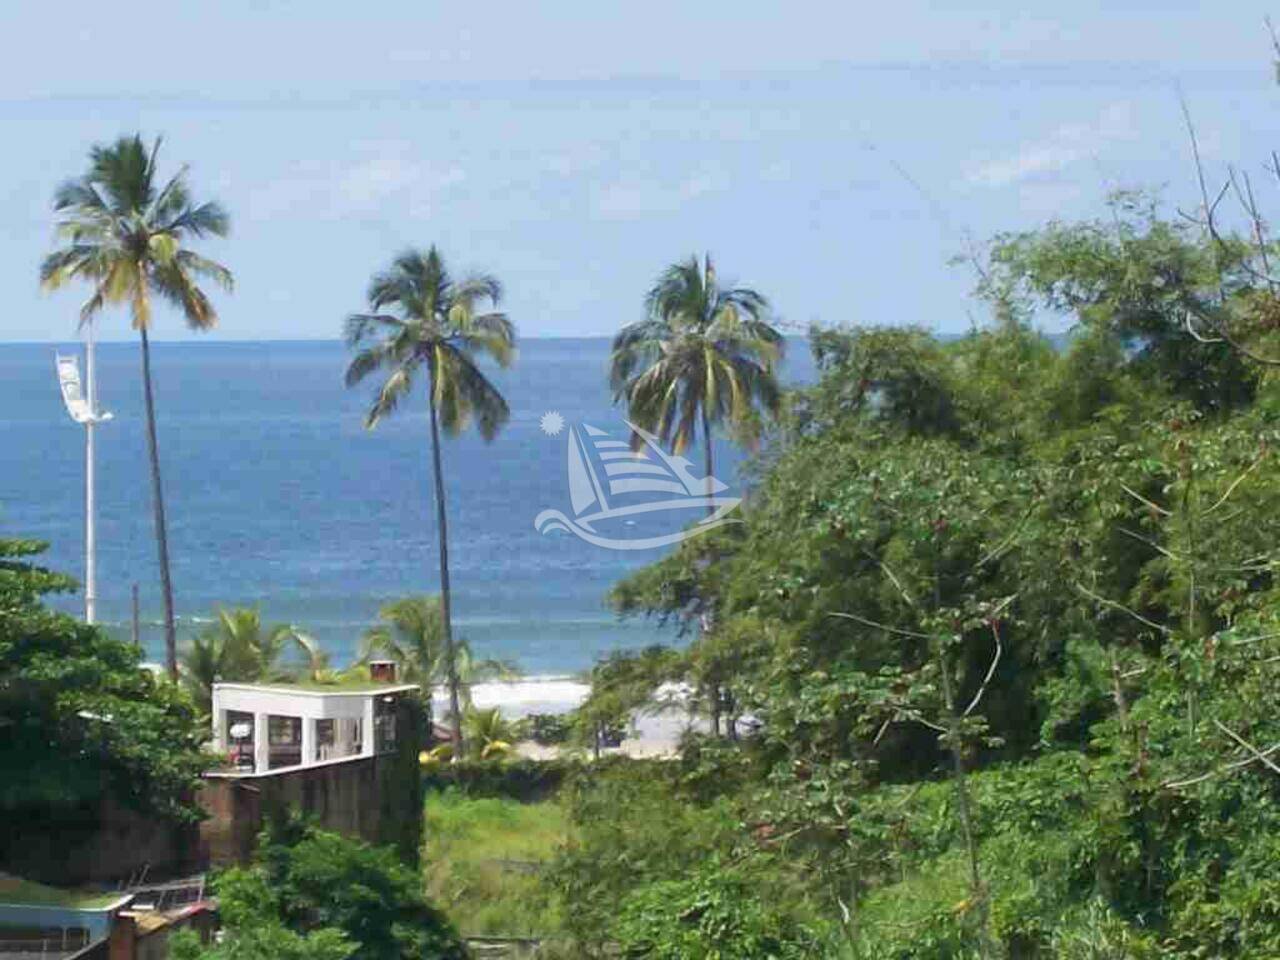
(29, 893)
(483, 861)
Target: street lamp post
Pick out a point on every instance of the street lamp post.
(82, 405)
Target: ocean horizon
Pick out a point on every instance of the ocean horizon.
(277, 496)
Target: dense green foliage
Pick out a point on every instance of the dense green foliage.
(238, 646)
(1005, 610)
(520, 779)
(81, 721)
(314, 893)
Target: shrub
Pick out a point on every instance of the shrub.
(716, 913)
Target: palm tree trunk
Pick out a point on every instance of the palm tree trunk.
(157, 505)
(707, 620)
(450, 657)
(706, 437)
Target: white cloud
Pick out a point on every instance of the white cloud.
(1063, 147)
(381, 173)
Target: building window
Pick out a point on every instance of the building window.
(239, 739)
(325, 735)
(284, 737)
(384, 724)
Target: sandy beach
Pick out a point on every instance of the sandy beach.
(653, 732)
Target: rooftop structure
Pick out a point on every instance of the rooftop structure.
(38, 921)
(265, 727)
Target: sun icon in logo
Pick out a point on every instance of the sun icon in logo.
(552, 423)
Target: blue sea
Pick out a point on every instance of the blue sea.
(277, 495)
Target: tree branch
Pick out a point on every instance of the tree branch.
(1257, 754)
(1122, 608)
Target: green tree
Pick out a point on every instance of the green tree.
(127, 235)
(323, 880)
(1144, 283)
(422, 320)
(81, 718)
(702, 356)
(238, 646)
(412, 633)
(622, 683)
(251, 929)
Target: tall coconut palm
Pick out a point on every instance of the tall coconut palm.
(702, 356)
(126, 233)
(421, 321)
(412, 634)
(238, 646)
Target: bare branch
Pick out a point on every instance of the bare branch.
(879, 626)
(1141, 499)
(1248, 641)
(1122, 608)
(892, 577)
(1257, 754)
(1239, 480)
(1150, 543)
(991, 670)
(1227, 768)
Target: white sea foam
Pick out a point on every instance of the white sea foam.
(518, 698)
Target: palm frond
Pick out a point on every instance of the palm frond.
(701, 351)
(206, 219)
(126, 238)
(490, 334)
(432, 321)
(173, 282)
(475, 396)
(199, 266)
(393, 391)
(476, 288)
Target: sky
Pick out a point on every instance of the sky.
(833, 156)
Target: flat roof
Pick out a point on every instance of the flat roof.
(310, 688)
(15, 891)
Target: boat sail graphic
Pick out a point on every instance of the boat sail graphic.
(605, 477)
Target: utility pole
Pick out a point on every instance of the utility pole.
(137, 630)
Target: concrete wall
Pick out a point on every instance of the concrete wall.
(343, 795)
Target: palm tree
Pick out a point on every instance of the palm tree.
(702, 356)
(492, 735)
(421, 320)
(237, 646)
(412, 634)
(126, 235)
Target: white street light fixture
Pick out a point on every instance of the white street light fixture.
(82, 405)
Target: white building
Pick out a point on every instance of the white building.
(264, 727)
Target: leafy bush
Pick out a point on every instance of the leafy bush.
(716, 913)
(550, 729)
(312, 889)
